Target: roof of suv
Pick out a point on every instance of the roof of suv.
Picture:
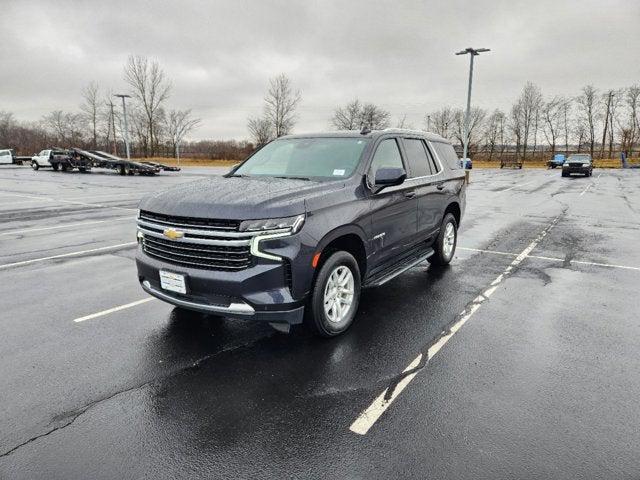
(372, 134)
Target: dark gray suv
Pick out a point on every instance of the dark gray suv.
(300, 227)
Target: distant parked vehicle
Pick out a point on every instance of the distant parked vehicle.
(557, 160)
(8, 157)
(510, 163)
(581, 163)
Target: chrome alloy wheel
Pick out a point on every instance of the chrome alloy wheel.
(449, 240)
(338, 294)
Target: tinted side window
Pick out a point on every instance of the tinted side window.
(387, 155)
(416, 157)
(447, 154)
(435, 166)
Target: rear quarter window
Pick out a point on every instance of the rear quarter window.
(447, 154)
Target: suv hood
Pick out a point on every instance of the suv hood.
(238, 198)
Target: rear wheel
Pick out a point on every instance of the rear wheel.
(128, 170)
(35, 165)
(336, 294)
(55, 167)
(446, 242)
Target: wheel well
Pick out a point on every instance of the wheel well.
(454, 209)
(349, 243)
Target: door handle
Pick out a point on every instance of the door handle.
(410, 194)
(440, 186)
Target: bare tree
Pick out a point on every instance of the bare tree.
(588, 105)
(565, 108)
(402, 123)
(348, 117)
(7, 126)
(442, 121)
(151, 89)
(552, 111)
(356, 115)
(178, 124)
(91, 110)
(67, 128)
(630, 129)
(476, 118)
(528, 105)
(374, 117)
(608, 101)
(494, 131)
(280, 105)
(261, 130)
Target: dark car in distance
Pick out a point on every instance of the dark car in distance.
(300, 227)
(581, 163)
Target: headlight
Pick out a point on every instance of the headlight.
(286, 226)
(294, 224)
(585, 164)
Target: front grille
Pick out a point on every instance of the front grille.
(190, 222)
(205, 243)
(197, 255)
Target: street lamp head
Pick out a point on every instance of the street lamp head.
(473, 51)
(122, 95)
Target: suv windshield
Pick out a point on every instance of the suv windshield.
(317, 158)
(579, 158)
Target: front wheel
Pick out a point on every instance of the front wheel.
(35, 165)
(336, 294)
(445, 245)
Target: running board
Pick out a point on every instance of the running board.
(389, 274)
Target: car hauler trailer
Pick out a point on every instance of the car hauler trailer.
(160, 166)
(84, 161)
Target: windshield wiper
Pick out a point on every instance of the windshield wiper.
(293, 178)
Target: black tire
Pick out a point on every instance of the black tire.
(82, 169)
(316, 317)
(55, 166)
(121, 170)
(564, 174)
(442, 255)
(35, 165)
(128, 170)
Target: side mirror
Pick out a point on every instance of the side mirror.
(389, 177)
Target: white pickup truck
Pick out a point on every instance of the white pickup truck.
(8, 157)
(43, 159)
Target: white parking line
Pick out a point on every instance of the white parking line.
(553, 259)
(61, 200)
(371, 414)
(77, 197)
(516, 186)
(114, 309)
(66, 225)
(64, 255)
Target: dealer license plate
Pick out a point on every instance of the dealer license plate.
(173, 282)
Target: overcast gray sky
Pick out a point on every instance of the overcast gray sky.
(399, 54)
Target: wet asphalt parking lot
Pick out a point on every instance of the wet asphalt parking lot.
(519, 360)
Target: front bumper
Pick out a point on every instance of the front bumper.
(260, 292)
(576, 169)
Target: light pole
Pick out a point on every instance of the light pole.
(473, 52)
(126, 128)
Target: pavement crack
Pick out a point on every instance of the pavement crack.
(68, 418)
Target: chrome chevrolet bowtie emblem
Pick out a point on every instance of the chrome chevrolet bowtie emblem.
(172, 234)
